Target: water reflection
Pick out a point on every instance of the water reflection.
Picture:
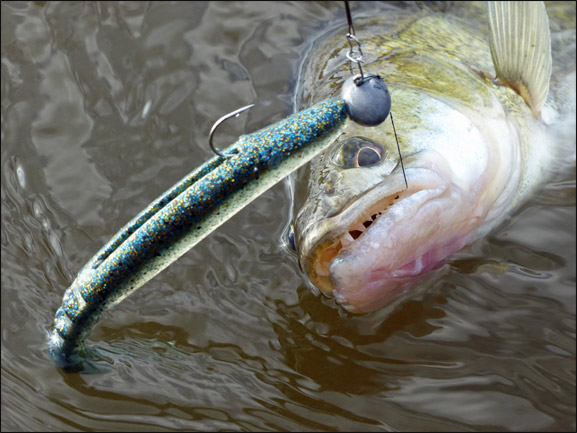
(106, 105)
(349, 355)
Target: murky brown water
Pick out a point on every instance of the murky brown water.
(106, 105)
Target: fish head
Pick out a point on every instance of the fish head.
(365, 236)
(362, 234)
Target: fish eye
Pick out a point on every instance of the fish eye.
(358, 152)
(367, 156)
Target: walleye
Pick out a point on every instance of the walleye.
(475, 118)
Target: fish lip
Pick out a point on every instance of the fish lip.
(419, 179)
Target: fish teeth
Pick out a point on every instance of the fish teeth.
(346, 239)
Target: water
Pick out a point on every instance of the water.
(105, 106)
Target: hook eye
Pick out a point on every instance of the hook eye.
(235, 113)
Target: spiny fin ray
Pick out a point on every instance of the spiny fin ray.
(521, 48)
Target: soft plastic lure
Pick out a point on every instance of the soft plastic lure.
(203, 200)
(184, 215)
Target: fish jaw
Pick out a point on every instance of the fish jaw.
(414, 237)
(417, 230)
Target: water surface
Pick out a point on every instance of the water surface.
(105, 106)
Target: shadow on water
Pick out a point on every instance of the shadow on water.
(342, 352)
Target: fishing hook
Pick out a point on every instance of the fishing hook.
(235, 113)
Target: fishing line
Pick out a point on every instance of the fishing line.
(399, 149)
(351, 55)
(369, 105)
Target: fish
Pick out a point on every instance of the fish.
(480, 94)
(181, 217)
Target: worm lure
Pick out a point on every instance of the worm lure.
(201, 202)
(184, 215)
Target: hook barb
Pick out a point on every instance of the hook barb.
(235, 113)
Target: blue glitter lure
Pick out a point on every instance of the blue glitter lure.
(184, 215)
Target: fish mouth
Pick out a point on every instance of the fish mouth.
(383, 244)
(326, 251)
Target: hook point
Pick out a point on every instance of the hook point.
(234, 113)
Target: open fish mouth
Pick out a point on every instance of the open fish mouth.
(327, 251)
(390, 237)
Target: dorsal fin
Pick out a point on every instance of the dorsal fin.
(521, 48)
